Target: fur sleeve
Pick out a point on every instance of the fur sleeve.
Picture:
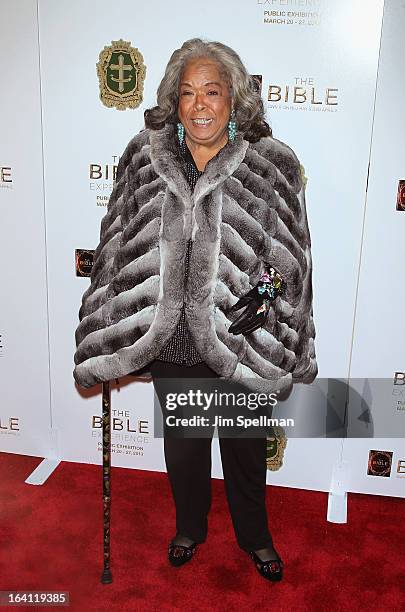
(109, 243)
(91, 315)
(287, 246)
(306, 367)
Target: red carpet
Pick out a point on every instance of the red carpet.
(51, 538)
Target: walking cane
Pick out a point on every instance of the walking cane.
(106, 577)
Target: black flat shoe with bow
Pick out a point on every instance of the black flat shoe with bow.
(180, 554)
(271, 570)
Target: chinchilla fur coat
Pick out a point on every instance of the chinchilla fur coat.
(247, 208)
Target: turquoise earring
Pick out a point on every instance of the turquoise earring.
(232, 126)
(180, 132)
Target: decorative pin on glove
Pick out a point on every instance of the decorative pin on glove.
(257, 302)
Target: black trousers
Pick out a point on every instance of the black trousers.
(188, 463)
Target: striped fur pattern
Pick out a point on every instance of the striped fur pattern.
(247, 208)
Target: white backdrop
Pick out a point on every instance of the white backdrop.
(332, 45)
(378, 346)
(25, 415)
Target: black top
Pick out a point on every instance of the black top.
(180, 348)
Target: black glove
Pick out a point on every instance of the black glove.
(257, 303)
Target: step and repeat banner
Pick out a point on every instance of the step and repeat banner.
(25, 408)
(316, 62)
(378, 359)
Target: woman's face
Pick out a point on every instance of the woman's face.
(205, 103)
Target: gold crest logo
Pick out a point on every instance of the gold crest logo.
(121, 74)
(276, 443)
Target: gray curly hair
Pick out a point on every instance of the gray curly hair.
(247, 102)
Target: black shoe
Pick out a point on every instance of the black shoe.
(179, 554)
(271, 570)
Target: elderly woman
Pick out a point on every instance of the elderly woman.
(203, 271)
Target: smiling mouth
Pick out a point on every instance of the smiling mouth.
(201, 121)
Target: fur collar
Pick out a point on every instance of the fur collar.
(167, 162)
